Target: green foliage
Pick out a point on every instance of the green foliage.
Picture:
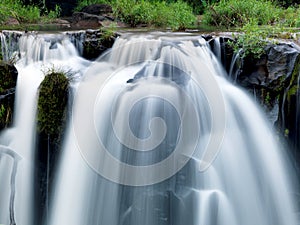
(53, 14)
(53, 97)
(173, 14)
(176, 15)
(82, 3)
(237, 13)
(252, 39)
(290, 17)
(25, 14)
(133, 12)
(15, 9)
(107, 33)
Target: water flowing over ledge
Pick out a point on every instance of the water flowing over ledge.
(182, 144)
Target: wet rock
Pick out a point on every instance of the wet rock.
(8, 82)
(273, 79)
(96, 42)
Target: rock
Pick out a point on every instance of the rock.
(273, 70)
(8, 82)
(81, 19)
(274, 81)
(97, 9)
(96, 42)
(11, 21)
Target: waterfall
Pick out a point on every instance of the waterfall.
(159, 136)
(38, 53)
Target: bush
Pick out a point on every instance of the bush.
(252, 40)
(176, 15)
(9, 8)
(82, 3)
(25, 14)
(290, 17)
(240, 12)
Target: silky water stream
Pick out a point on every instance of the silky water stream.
(157, 135)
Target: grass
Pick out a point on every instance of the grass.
(233, 13)
(25, 14)
(175, 15)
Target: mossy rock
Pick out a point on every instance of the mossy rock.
(8, 82)
(52, 102)
(8, 77)
(97, 42)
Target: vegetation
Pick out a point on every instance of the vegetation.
(176, 15)
(252, 40)
(232, 13)
(257, 21)
(24, 13)
(8, 81)
(52, 102)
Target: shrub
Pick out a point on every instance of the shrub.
(176, 15)
(82, 3)
(238, 13)
(252, 41)
(16, 9)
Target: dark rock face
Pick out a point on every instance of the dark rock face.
(274, 80)
(8, 82)
(97, 9)
(85, 20)
(81, 19)
(96, 42)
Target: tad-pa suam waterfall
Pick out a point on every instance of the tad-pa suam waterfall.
(155, 133)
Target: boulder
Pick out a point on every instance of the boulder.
(97, 9)
(11, 21)
(96, 42)
(81, 19)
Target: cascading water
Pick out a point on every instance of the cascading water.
(158, 136)
(38, 53)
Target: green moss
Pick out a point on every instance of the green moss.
(8, 82)
(8, 76)
(52, 102)
(293, 84)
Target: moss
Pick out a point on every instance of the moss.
(52, 102)
(8, 82)
(8, 76)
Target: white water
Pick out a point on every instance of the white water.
(249, 181)
(39, 53)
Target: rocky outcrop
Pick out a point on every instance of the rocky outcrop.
(273, 80)
(98, 9)
(8, 82)
(96, 42)
(93, 16)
